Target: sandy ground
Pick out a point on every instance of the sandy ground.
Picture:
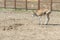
(22, 26)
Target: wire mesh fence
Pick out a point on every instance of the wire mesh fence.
(30, 4)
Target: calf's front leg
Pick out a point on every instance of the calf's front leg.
(39, 20)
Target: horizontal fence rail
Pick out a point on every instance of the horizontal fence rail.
(31, 4)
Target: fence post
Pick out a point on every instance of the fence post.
(26, 4)
(15, 4)
(38, 4)
(4, 3)
(51, 5)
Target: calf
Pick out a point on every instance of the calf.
(42, 12)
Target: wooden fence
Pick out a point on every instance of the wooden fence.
(30, 4)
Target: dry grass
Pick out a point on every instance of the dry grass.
(19, 26)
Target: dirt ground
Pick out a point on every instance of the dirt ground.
(22, 26)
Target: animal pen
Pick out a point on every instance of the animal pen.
(30, 4)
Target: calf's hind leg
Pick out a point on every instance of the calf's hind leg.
(47, 19)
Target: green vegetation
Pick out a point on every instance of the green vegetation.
(14, 10)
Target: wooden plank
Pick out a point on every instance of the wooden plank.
(56, 6)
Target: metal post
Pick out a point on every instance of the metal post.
(4, 3)
(26, 4)
(38, 4)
